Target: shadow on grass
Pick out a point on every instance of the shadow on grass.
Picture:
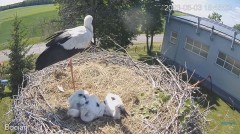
(214, 101)
(4, 94)
(149, 59)
(204, 96)
(209, 98)
(76, 124)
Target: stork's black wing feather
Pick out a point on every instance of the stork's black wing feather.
(58, 38)
(53, 55)
(54, 35)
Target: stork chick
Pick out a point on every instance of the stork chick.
(76, 101)
(73, 113)
(92, 109)
(114, 106)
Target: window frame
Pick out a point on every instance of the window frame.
(170, 40)
(225, 61)
(192, 46)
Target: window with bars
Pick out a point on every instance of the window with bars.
(196, 47)
(228, 63)
(173, 38)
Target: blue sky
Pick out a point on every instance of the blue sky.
(229, 9)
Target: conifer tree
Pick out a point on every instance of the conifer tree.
(18, 62)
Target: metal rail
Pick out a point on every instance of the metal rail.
(215, 30)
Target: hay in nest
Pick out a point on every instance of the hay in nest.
(156, 98)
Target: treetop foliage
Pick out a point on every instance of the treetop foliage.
(113, 20)
(237, 26)
(215, 16)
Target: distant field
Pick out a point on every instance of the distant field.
(178, 13)
(31, 17)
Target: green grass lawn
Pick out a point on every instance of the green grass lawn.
(32, 17)
(139, 52)
(224, 119)
(5, 105)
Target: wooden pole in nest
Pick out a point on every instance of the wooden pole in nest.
(71, 69)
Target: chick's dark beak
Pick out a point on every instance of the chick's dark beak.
(123, 111)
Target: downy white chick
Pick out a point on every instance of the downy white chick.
(114, 106)
(92, 109)
(76, 101)
(73, 113)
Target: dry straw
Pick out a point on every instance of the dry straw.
(156, 98)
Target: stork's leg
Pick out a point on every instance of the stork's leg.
(71, 69)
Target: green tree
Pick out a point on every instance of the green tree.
(154, 19)
(237, 26)
(215, 16)
(19, 63)
(109, 19)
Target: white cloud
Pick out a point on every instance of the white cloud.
(232, 17)
(230, 10)
(237, 9)
(195, 7)
(187, 2)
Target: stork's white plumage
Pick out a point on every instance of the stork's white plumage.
(92, 109)
(79, 37)
(114, 106)
(66, 43)
(76, 101)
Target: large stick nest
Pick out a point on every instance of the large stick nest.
(156, 98)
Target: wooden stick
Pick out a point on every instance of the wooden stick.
(201, 81)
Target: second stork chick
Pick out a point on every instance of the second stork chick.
(114, 106)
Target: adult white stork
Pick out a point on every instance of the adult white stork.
(76, 101)
(66, 43)
(114, 106)
(92, 109)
